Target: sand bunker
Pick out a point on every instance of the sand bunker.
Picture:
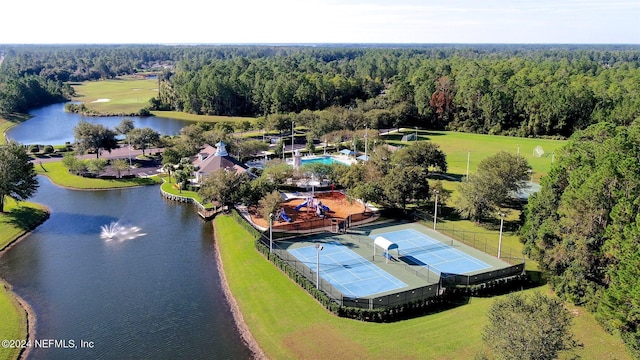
(101, 100)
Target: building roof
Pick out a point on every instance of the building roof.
(210, 159)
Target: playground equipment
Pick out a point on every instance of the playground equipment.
(315, 205)
(282, 215)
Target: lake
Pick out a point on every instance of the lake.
(152, 291)
(51, 125)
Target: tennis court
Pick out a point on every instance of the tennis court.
(417, 248)
(350, 273)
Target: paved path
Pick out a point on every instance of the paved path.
(120, 153)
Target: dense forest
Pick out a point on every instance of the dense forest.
(583, 226)
(522, 90)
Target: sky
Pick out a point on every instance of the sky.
(320, 21)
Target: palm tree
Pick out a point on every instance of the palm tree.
(168, 168)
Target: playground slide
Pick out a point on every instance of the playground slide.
(285, 217)
(297, 208)
(325, 208)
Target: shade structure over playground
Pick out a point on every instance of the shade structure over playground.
(386, 245)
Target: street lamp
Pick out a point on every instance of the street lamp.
(318, 249)
(366, 143)
(435, 209)
(282, 149)
(292, 137)
(416, 134)
(270, 233)
(129, 149)
(502, 215)
(468, 158)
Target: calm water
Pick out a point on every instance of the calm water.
(51, 125)
(156, 296)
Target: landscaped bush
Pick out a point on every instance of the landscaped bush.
(34, 149)
(48, 149)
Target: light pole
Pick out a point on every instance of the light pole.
(318, 249)
(468, 158)
(129, 148)
(416, 134)
(283, 149)
(366, 143)
(292, 137)
(502, 215)
(270, 233)
(435, 209)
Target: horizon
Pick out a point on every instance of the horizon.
(325, 22)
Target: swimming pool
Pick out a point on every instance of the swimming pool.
(328, 160)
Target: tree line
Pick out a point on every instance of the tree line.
(582, 227)
(536, 94)
(522, 90)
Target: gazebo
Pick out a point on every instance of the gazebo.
(386, 245)
(347, 152)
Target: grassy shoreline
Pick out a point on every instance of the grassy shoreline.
(7, 121)
(59, 175)
(16, 318)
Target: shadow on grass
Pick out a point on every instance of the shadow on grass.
(26, 218)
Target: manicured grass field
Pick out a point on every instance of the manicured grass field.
(289, 324)
(125, 95)
(204, 118)
(457, 145)
(15, 222)
(59, 174)
(129, 95)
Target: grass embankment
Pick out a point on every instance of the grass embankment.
(290, 324)
(9, 120)
(59, 174)
(129, 95)
(14, 223)
(173, 190)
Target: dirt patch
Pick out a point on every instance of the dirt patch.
(339, 207)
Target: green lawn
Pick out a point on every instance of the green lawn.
(458, 145)
(15, 222)
(290, 324)
(9, 120)
(125, 95)
(204, 118)
(59, 174)
(13, 322)
(171, 189)
(129, 95)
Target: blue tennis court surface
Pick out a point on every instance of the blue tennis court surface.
(347, 271)
(417, 248)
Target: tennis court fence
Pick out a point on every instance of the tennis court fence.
(378, 302)
(467, 280)
(486, 242)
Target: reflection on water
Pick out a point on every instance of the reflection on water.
(155, 297)
(51, 125)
